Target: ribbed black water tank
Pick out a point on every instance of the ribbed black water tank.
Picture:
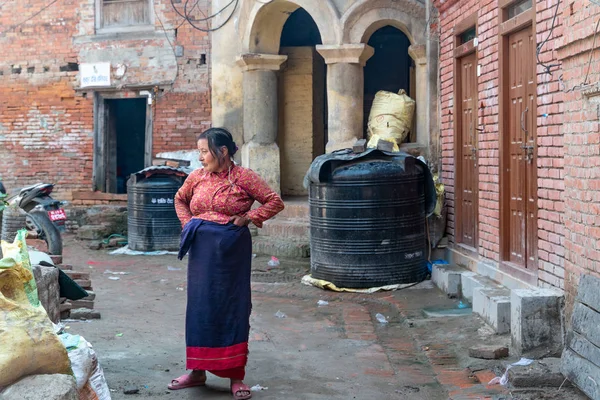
(152, 223)
(367, 223)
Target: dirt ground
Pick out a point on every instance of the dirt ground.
(334, 351)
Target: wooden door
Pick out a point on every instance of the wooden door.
(521, 226)
(467, 145)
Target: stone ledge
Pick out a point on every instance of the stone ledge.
(493, 305)
(448, 278)
(536, 322)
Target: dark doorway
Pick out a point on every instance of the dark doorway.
(390, 68)
(302, 101)
(126, 141)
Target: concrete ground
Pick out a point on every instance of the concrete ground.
(335, 351)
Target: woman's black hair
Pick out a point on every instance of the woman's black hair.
(217, 138)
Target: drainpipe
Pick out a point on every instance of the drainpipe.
(148, 94)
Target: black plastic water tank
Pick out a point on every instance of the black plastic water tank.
(367, 223)
(152, 222)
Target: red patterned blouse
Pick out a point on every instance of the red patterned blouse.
(215, 197)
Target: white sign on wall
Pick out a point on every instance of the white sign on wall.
(96, 74)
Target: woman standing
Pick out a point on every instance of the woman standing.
(214, 206)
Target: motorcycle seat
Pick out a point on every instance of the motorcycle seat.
(38, 187)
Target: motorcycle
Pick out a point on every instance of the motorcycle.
(45, 218)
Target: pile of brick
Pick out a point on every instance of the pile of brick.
(83, 308)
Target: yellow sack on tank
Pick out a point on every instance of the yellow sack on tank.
(390, 118)
(28, 343)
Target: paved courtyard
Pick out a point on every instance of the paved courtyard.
(334, 351)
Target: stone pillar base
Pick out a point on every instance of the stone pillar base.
(333, 145)
(263, 159)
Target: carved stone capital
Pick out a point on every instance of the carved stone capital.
(258, 62)
(418, 53)
(346, 53)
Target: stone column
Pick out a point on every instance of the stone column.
(419, 55)
(345, 92)
(260, 152)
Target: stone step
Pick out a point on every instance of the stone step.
(493, 305)
(537, 322)
(270, 246)
(285, 228)
(295, 208)
(448, 278)
(471, 280)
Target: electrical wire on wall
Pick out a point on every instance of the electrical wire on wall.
(548, 67)
(170, 43)
(13, 27)
(585, 82)
(190, 19)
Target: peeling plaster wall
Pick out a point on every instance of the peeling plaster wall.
(47, 124)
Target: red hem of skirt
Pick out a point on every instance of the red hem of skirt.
(217, 358)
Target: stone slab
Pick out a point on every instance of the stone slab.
(586, 321)
(493, 305)
(42, 387)
(536, 322)
(280, 248)
(488, 352)
(46, 279)
(588, 292)
(84, 313)
(285, 228)
(93, 232)
(581, 372)
(83, 304)
(471, 280)
(448, 278)
(542, 373)
(580, 345)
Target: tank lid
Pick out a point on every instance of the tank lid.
(322, 167)
(164, 170)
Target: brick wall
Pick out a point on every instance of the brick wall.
(46, 125)
(549, 134)
(550, 149)
(581, 145)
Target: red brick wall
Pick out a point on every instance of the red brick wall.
(550, 149)
(46, 126)
(550, 144)
(581, 145)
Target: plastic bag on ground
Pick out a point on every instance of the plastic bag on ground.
(390, 118)
(96, 387)
(91, 383)
(82, 358)
(29, 344)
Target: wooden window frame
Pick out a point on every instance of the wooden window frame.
(100, 28)
(461, 50)
(505, 28)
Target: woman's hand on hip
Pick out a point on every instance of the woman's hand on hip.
(239, 220)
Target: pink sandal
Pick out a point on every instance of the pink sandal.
(184, 381)
(238, 388)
